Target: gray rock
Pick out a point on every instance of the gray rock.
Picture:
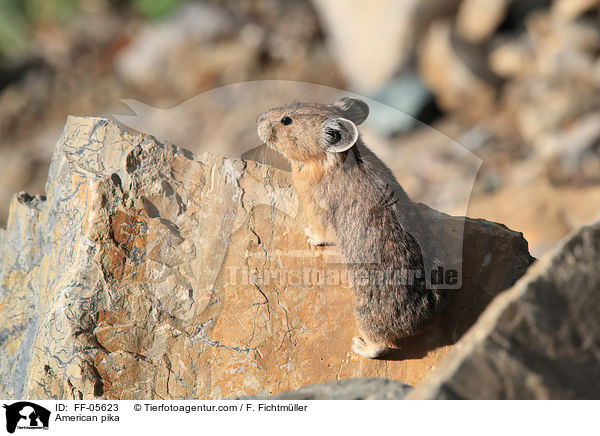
(404, 96)
(349, 389)
(371, 41)
(572, 9)
(538, 340)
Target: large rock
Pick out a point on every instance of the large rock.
(538, 340)
(148, 272)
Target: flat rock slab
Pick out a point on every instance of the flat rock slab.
(150, 273)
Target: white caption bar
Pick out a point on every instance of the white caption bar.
(297, 417)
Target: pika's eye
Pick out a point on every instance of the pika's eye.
(286, 121)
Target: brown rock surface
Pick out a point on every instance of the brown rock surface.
(538, 340)
(148, 272)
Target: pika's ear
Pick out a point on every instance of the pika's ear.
(338, 134)
(353, 109)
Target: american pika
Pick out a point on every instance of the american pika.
(352, 200)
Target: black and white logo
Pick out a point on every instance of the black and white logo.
(26, 415)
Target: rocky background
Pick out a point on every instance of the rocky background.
(517, 83)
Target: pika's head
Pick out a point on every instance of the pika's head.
(304, 132)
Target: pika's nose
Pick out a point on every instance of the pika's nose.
(260, 118)
(264, 129)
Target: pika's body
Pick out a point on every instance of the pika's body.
(352, 199)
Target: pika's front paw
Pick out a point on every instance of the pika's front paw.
(316, 240)
(368, 350)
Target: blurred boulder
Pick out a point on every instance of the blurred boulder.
(556, 83)
(372, 41)
(571, 9)
(405, 93)
(151, 273)
(451, 76)
(510, 59)
(572, 156)
(175, 47)
(546, 59)
(348, 389)
(538, 340)
(478, 19)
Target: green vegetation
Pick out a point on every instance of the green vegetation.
(155, 8)
(18, 18)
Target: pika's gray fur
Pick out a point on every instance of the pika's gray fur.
(352, 200)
